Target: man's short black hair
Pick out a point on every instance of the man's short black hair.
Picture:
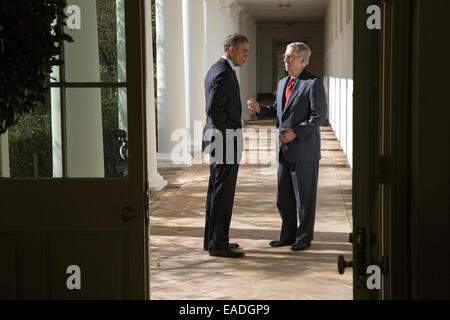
(234, 41)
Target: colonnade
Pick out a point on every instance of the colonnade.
(189, 39)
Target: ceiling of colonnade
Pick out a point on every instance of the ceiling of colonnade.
(286, 11)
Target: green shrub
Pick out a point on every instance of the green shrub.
(30, 144)
(29, 44)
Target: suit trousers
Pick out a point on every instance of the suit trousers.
(219, 205)
(297, 195)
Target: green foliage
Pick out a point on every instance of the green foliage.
(107, 38)
(30, 36)
(154, 30)
(30, 147)
(110, 108)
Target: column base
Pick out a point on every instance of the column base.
(174, 161)
(156, 182)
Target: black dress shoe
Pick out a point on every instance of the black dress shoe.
(226, 253)
(231, 245)
(276, 243)
(301, 245)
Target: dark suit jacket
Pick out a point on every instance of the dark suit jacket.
(305, 111)
(223, 102)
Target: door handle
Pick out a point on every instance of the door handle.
(360, 241)
(342, 264)
(128, 214)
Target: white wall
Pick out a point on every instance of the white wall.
(338, 71)
(268, 32)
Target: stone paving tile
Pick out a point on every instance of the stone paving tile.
(180, 269)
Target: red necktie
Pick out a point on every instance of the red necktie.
(288, 91)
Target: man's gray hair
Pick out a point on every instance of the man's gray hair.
(302, 50)
(234, 40)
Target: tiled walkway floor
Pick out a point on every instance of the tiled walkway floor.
(180, 269)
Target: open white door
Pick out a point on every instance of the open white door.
(74, 202)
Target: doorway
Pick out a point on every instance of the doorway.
(74, 219)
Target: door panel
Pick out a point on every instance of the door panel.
(366, 141)
(11, 256)
(77, 218)
(395, 134)
(75, 223)
(82, 249)
(382, 151)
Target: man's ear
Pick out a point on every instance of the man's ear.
(303, 60)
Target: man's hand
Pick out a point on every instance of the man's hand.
(253, 105)
(287, 136)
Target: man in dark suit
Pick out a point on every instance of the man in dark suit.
(222, 139)
(300, 109)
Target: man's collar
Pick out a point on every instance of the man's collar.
(230, 62)
(297, 76)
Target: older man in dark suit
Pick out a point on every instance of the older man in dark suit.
(222, 138)
(300, 108)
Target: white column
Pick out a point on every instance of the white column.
(121, 65)
(172, 133)
(195, 71)
(214, 43)
(246, 69)
(225, 18)
(155, 180)
(234, 28)
(4, 156)
(57, 153)
(253, 56)
(83, 106)
(234, 16)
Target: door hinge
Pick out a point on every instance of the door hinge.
(147, 204)
(382, 168)
(384, 265)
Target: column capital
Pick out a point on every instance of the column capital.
(226, 3)
(236, 9)
(247, 18)
(244, 16)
